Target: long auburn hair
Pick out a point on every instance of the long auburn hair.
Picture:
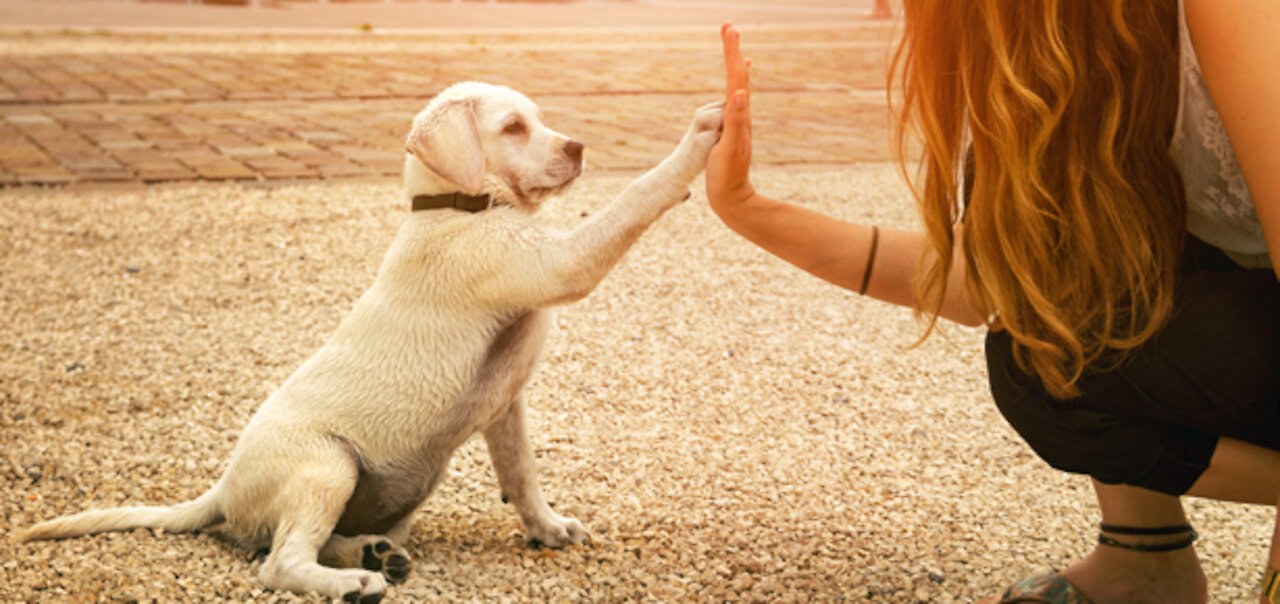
(1059, 113)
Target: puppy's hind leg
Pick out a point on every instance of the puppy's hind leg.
(371, 552)
(517, 475)
(312, 501)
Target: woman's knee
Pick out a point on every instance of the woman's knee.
(1084, 437)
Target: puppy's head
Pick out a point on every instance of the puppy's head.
(479, 138)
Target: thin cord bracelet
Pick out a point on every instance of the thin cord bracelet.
(871, 260)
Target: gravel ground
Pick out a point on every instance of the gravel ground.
(727, 427)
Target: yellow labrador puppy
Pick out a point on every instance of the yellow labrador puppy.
(331, 468)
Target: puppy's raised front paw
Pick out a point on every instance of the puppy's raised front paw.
(705, 130)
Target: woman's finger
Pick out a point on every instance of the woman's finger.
(737, 125)
(735, 66)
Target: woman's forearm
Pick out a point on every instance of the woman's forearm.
(834, 250)
(818, 244)
(838, 251)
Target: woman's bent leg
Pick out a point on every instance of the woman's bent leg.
(1247, 473)
(1113, 574)
(1174, 419)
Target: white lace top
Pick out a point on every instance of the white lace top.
(1219, 209)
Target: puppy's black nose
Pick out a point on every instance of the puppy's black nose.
(573, 149)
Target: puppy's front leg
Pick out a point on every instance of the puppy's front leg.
(668, 183)
(569, 267)
(602, 240)
(517, 475)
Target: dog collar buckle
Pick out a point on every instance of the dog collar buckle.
(456, 200)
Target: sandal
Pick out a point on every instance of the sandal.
(1271, 586)
(1054, 589)
(1048, 589)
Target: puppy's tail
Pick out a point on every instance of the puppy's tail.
(203, 511)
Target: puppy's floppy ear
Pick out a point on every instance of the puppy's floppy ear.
(447, 141)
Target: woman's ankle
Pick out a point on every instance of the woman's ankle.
(1147, 538)
(1112, 574)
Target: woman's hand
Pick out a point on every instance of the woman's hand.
(728, 167)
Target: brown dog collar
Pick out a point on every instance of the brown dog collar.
(459, 201)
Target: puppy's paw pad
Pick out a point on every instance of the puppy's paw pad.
(396, 568)
(370, 560)
(386, 557)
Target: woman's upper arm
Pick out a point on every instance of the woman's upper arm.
(957, 306)
(1238, 45)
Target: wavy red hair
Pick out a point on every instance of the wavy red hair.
(1074, 225)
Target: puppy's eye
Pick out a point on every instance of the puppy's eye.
(516, 127)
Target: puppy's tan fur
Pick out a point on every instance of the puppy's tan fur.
(333, 465)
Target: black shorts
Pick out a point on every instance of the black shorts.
(1154, 422)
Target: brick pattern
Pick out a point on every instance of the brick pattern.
(131, 116)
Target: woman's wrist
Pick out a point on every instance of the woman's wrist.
(753, 217)
(732, 202)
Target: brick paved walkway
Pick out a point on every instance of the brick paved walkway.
(158, 108)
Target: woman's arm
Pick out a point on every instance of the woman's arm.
(1238, 49)
(828, 248)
